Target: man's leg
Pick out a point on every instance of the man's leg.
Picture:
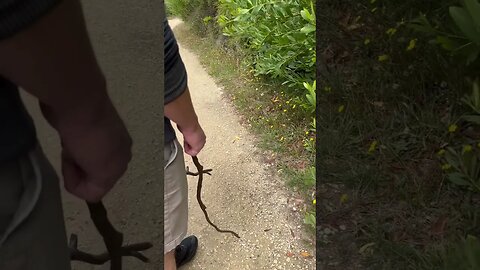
(175, 201)
(169, 260)
(39, 242)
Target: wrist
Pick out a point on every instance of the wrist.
(85, 113)
(189, 127)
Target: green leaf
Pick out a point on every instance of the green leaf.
(471, 238)
(309, 179)
(472, 247)
(313, 11)
(306, 15)
(421, 24)
(473, 8)
(449, 156)
(465, 23)
(472, 119)
(365, 247)
(446, 43)
(476, 94)
(307, 29)
(310, 219)
(207, 19)
(473, 166)
(476, 86)
(473, 55)
(283, 11)
(306, 85)
(458, 179)
(243, 11)
(256, 9)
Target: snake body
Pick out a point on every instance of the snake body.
(199, 194)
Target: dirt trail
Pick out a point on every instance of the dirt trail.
(242, 194)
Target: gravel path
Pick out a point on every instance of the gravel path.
(243, 194)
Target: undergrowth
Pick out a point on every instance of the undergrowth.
(400, 166)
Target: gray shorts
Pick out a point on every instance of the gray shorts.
(32, 228)
(175, 196)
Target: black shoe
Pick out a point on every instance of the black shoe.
(186, 250)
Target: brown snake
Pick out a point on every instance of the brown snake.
(113, 240)
(200, 173)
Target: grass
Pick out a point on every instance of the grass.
(384, 202)
(281, 125)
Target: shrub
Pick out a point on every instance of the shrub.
(194, 12)
(279, 36)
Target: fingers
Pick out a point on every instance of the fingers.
(89, 192)
(79, 184)
(193, 150)
(189, 149)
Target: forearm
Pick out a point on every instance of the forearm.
(182, 112)
(54, 61)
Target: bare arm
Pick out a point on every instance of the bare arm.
(54, 60)
(181, 112)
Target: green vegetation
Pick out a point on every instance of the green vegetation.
(262, 53)
(400, 112)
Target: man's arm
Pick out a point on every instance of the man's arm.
(181, 111)
(53, 60)
(178, 104)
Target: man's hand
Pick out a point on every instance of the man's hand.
(193, 139)
(95, 151)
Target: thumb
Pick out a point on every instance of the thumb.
(76, 181)
(89, 192)
(190, 150)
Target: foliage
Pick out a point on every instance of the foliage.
(308, 178)
(196, 12)
(464, 40)
(311, 96)
(462, 162)
(473, 101)
(391, 99)
(463, 165)
(464, 255)
(310, 219)
(279, 35)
